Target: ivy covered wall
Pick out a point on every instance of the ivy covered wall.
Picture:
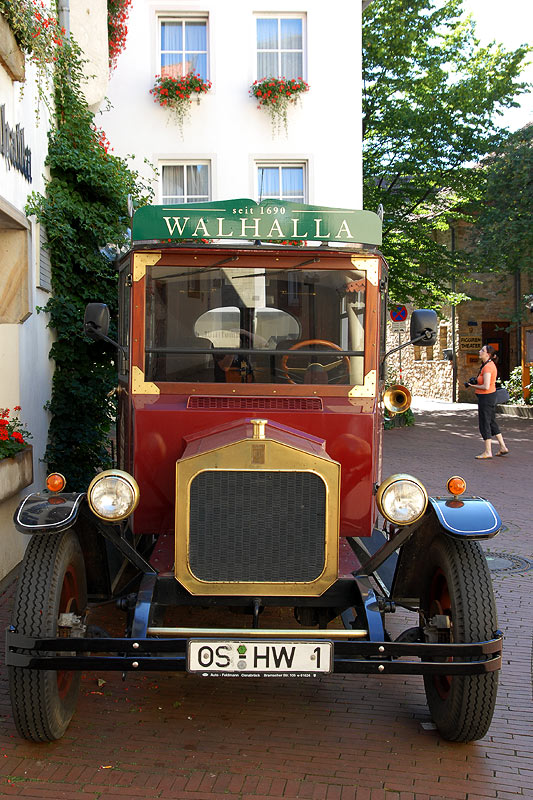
(84, 210)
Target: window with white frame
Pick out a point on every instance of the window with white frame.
(282, 181)
(185, 183)
(280, 46)
(183, 46)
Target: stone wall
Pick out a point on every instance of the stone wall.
(425, 371)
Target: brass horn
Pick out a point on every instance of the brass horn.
(397, 399)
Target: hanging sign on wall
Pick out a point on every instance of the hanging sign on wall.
(469, 342)
(13, 147)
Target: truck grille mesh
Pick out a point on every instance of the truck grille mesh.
(257, 526)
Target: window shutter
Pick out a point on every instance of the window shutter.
(45, 267)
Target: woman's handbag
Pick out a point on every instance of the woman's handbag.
(502, 396)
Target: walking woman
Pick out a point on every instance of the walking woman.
(485, 389)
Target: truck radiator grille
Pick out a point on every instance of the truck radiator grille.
(257, 526)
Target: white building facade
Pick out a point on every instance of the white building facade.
(25, 341)
(227, 149)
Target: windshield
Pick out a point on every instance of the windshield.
(255, 325)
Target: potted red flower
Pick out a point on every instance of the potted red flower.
(275, 95)
(176, 94)
(16, 456)
(117, 30)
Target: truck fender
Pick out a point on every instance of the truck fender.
(466, 517)
(48, 513)
(463, 518)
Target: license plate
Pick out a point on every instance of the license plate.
(259, 657)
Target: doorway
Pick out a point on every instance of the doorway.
(527, 358)
(495, 334)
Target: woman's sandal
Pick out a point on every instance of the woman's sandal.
(502, 453)
(483, 457)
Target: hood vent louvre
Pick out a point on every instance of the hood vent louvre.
(216, 403)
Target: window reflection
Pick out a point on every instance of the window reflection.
(244, 324)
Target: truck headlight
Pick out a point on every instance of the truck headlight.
(113, 495)
(401, 499)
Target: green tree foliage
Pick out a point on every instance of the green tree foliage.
(431, 99)
(504, 226)
(84, 209)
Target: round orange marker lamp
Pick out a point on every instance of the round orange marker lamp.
(456, 485)
(55, 482)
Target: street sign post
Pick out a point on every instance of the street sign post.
(398, 316)
(399, 327)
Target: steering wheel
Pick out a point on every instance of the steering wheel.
(327, 367)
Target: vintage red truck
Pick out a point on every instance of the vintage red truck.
(249, 438)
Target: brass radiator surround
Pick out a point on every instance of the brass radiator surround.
(256, 454)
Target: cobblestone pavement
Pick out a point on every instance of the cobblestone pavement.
(338, 738)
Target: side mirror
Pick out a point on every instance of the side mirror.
(96, 320)
(96, 324)
(424, 327)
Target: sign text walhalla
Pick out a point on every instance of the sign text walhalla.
(244, 219)
(13, 148)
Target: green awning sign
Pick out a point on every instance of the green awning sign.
(270, 220)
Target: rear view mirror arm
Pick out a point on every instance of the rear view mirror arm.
(426, 335)
(92, 332)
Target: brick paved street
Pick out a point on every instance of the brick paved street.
(338, 738)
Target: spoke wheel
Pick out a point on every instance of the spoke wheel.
(458, 586)
(52, 581)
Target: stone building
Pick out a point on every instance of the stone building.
(494, 315)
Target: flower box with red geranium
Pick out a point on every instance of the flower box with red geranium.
(176, 94)
(39, 35)
(275, 95)
(16, 456)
